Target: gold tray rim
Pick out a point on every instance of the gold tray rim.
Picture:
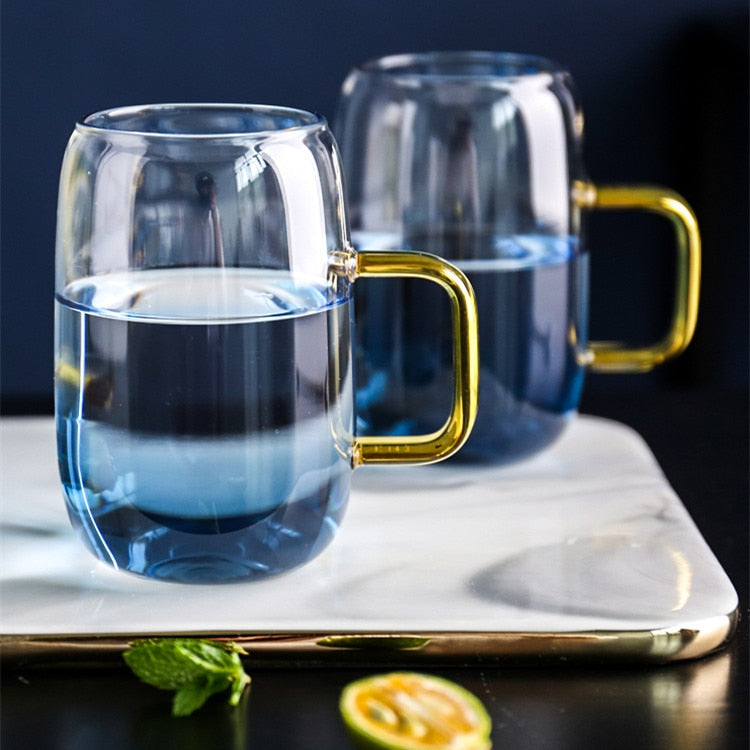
(690, 640)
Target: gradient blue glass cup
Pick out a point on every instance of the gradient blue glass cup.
(477, 157)
(204, 382)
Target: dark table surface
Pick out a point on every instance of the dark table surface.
(700, 438)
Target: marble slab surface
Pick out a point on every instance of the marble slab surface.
(587, 537)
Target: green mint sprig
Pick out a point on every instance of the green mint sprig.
(193, 667)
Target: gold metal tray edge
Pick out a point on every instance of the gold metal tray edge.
(655, 646)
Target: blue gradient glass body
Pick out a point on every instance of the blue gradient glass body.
(204, 397)
(471, 156)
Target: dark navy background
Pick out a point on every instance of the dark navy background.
(664, 88)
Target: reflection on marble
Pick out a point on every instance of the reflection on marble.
(585, 537)
(615, 575)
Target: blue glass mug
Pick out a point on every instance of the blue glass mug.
(477, 157)
(203, 384)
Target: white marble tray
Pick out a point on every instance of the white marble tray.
(583, 551)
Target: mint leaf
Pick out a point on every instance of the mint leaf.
(193, 667)
(238, 687)
(193, 695)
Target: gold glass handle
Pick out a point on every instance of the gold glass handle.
(612, 357)
(420, 449)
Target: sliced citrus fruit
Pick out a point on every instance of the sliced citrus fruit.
(411, 711)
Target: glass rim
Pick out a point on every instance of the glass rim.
(460, 65)
(113, 121)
